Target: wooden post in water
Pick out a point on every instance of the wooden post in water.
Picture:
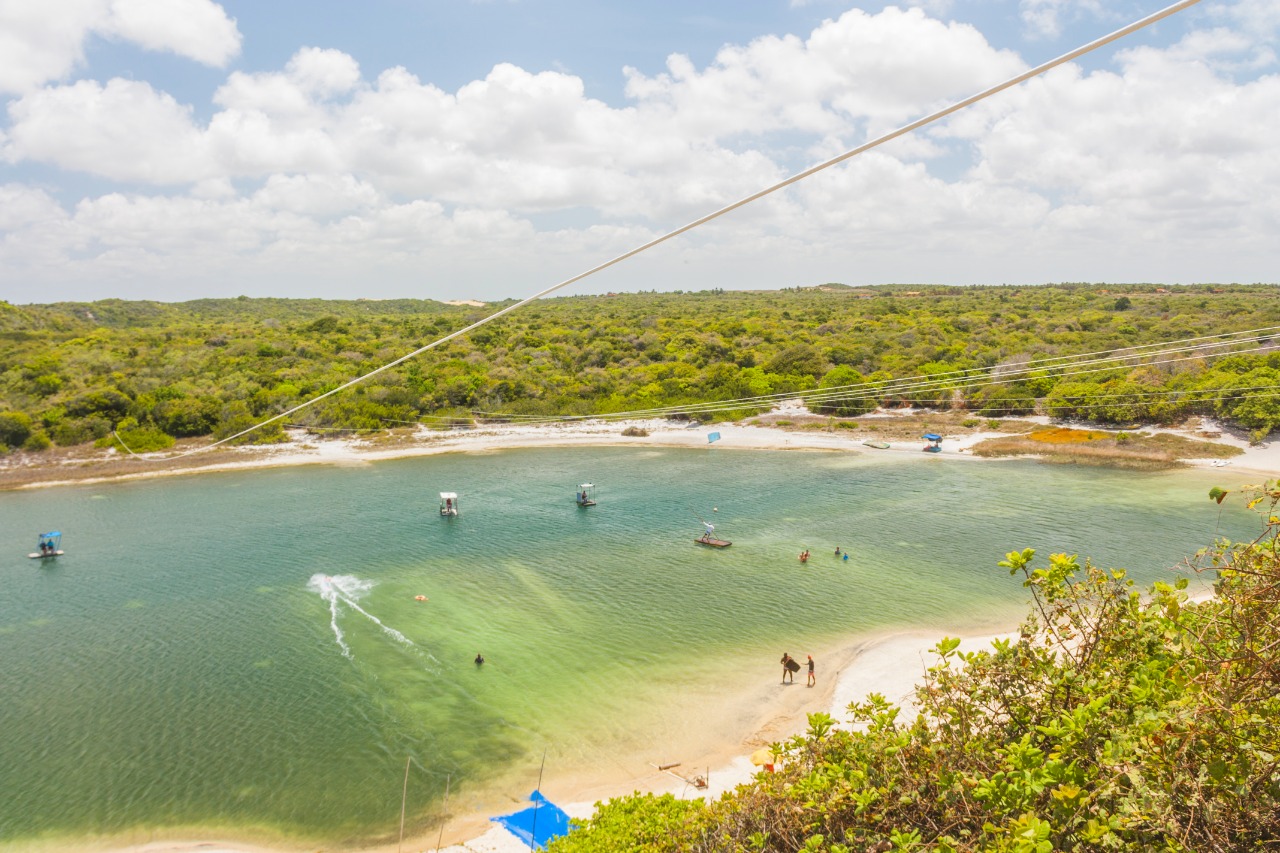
(403, 793)
(444, 811)
(533, 832)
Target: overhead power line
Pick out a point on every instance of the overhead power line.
(1108, 360)
(799, 176)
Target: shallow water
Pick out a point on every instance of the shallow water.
(243, 652)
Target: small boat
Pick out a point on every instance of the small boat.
(878, 445)
(449, 504)
(585, 495)
(710, 541)
(935, 442)
(48, 545)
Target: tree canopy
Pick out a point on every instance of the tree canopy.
(77, 371)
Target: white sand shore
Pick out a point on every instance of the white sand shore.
(891, 665)
(302, 449)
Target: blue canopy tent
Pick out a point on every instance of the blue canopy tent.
(936, 446)
(538, 824)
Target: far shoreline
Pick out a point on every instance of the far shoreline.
(96, 466)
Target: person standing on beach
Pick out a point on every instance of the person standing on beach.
(786, 668)
(812, 680)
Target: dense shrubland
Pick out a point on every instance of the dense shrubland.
(1116, 721)
(73, 372)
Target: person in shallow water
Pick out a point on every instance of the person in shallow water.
(786, 668)
(479, 658)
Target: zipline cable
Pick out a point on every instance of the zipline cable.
(799, 176)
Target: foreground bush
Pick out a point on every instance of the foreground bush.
(1115, 721)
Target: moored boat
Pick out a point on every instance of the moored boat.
(48, 545)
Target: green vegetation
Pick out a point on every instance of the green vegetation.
(1115, 721)
(73, 373)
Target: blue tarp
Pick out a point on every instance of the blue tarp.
(713, 437)
(539, 823)
(930, 436)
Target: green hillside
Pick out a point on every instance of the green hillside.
(72, 372)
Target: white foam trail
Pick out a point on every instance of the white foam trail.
(387, 629)
(348, 589)
(337, 632)
(330, 589)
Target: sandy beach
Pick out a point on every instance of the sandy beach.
(890, 665)
(767, 432)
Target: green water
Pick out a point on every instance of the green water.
(242, 653)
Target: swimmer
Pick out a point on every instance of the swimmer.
(479, 658)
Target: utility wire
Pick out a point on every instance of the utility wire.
(1194, 395)
(799, 176)
(906, 386)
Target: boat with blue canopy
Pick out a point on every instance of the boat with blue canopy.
(48, 545)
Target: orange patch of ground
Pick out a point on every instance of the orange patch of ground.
(1066, 435)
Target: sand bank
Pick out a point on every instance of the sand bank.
(20, 470)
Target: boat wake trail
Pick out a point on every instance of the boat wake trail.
(348, 590)
(329, 589)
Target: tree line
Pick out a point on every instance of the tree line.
(72, 373)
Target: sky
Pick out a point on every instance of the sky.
(490, 149)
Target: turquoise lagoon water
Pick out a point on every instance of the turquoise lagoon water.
(242, 653)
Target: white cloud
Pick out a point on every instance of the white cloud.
(44, 41)
(196, 29)
(1044, 18)
(23, 207)
(1165, 158)
(323, 72)
(124, 130)
(319, 196)
(873, 69)
(313, 173)
(1260, 17)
